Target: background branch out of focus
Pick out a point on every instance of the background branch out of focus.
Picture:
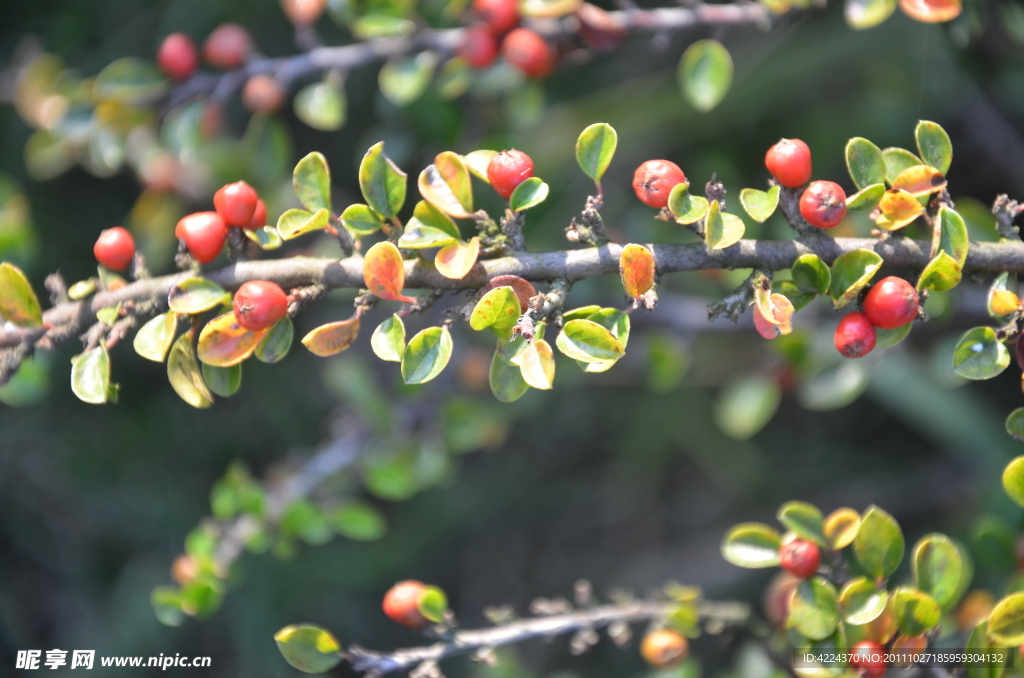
(624, 478)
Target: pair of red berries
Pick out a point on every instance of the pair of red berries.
(238, 205)
(522, 48)
(890, 304)
(227, 47)
(823, 203)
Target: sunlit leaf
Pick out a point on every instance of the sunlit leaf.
(705, 74)
(154, 339)
(548, 9)
(382, 183)
(361, 220)
(686, 208)
(841, 527)
(937, 567)
(721, 229)
(595, 148)
(429, 215)
(454, 172)
(456, 260)
(760, 204)
(589, 342)
(934, 145)
(357, 521)
(437, 192)
(498, 309)
(18, 302)
(953, 237)
(752, 545)
(879, 544)
(321, 105)
(379, 25)
(332, 338)
(636, 269)
(896, 209)
(295, 222)
(131, 80)
(865, 161)
(980, 354)
(888, 338)
(850, 273)
(529, 193)
(90, 375)
(420, 236)
(196, 295)
(388, 340)
(920, 180)
(308, 648)
(184, 373)
(916, 611)
(311, 179)
(861, 14)
(896, 160)
(384, 272)
(804, 520)
(426, 355)
(862, 601)
(267, 238)
(866, 198)
(942, 273)
(1001, 300)
(523, 288)
(538, 365)
(223, 342)
(477, 162)
(814, 609)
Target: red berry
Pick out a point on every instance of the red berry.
(259, 304)
(115, 248)
(303, 12)
(236, 203)
(500, 15)
(204, 234)
(855, 336)
(800, 557)
(177, 56)
(259, 217)
(528, 52)
(507, 170)
(823, 204)
(869, 658)
(789, 161)
(262, 94)
(401, 604)
(891, 303)
(654, 180)
(227, 47)
(664, 648)
(479, 47)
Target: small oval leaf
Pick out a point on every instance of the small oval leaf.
(687, 208)
(384, 272)
(154, 339)
(388, 340)
(90, 375)
(308, 648)
(865, 163)
(455, 261)
(223, 342)
(752, 545)
(850, 273)
(382, 183)
(589, 342)
(196, 295)
(18, 303)
(980, 355)
(426, 355)
(332, 338)
(934, 145)
(760, 204)
(184, 374)
(506, 381)
(529, 193)
(277, 341)
(705, 74)
(636, 269)
(879, 544)
(311, 179)
(595, 148)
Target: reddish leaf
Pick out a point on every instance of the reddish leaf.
(453, 170)
(523, 288)
(223, 342)
(384, 272)
(332, 338)
(438, 193)
(455, 261)
(636, 266)
(931, 11)
(781, 321)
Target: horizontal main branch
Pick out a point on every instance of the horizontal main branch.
(572, 265)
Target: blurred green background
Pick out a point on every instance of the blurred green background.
(624, 478)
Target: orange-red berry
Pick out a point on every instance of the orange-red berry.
(869, 659)
(664, 648)
(507, 170)
(177, 56)
(258, 304)
(823, 204)
(789, 161)
(855, 336)
(800, 557)
(479, 46)
(303, 12)
(654, 180)
(500, 15)
(262, 94)
(204, 234)
(401, 604)
(236, 203)
(115, 248)
(528, 52)
(891, 303)
(227, 47)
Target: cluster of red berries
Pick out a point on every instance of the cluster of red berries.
(227, 47)
(890, 304)
(823, 203)
(521, 47)
(204, 233)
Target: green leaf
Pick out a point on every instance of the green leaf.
(477, 162)
(321, 105)
(403, 81)
(154, 339)
(862, 602)
(865, 162)
(705, 74)
(429, 215)
(184, 375)
(581, 313)
(687, 208)
(498, 309)
(897, 160)
(953, 235)
(1006, 623)
(760, 204)
(295, 222)
(850, 273)
(18, 303)
(90, 375)
(879, 544)
(616, 322)
(589, 342)
(130, 81)
(814, 609)
(223, 381)
(506, 381)
(721, 229)
(312, 181)
(357, 521)
(196, 295)
(937, 567)
(595, 148)
(942, 273)
(530, 193)
(889, 338)
(537, 364)
(419, 236)
(980, 644)
(752, 545)
(426, 355)
(916, 612)
(83, 288)
(382, 183)
(979, 354)
(361, 220)
(267, 237)
(276, 343)
(388, 340)
(804, 520)
(452, 168)
(866, 198)
(746, 405)
(811, 274)
(861, 14)
(1013, 474)
(798, 298)
(308, 648)
(433, 604)
(934, 145)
